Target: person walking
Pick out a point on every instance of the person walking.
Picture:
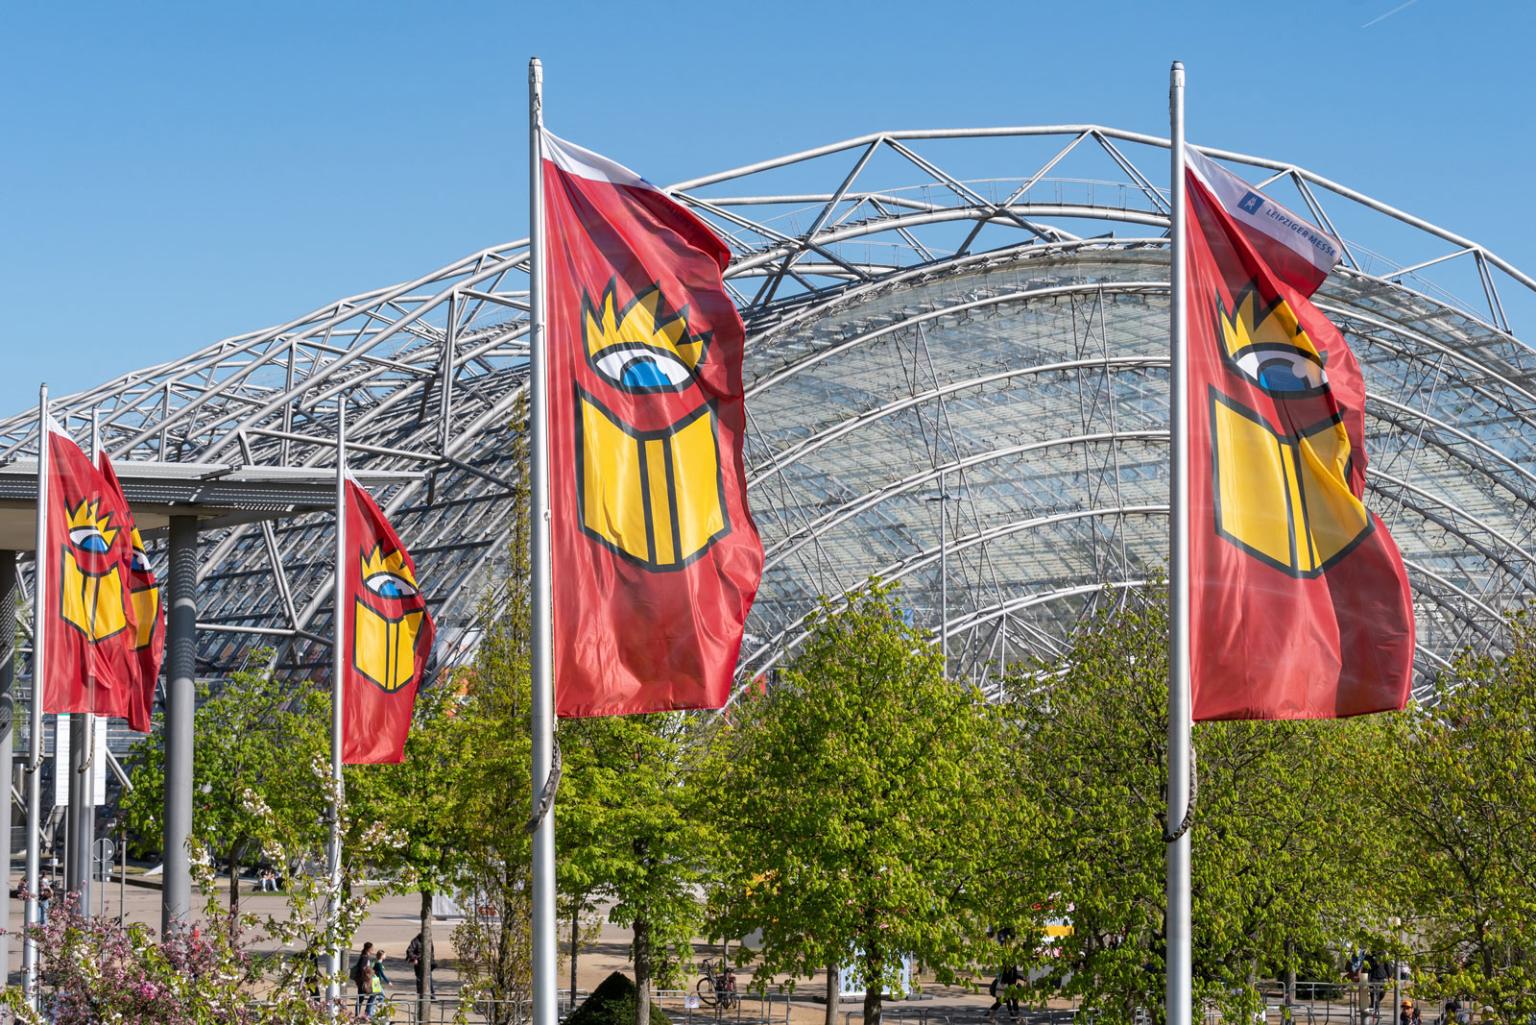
(380, 980)
(1376, 976)
(364, 978)
(1004, 989)
(414, 956)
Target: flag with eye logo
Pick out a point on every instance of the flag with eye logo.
(388, 635)
(1299, 601)
(90, 663)
(656, 559)
(149, 616)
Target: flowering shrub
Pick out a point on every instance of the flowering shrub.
(97, 970)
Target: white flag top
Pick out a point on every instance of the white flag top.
(583, 163)
(1257, 211)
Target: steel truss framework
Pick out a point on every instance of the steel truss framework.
(957, 379)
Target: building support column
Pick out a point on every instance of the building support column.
(10, 597)
(180, 698)
(80, 834)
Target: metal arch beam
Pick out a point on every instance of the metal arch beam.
(791, 543)
(280, 337)
(928, 556)
(1482, 446)
(343, 313)
(1154, 141)
(383, 296)
(805, 447)
(320, 375)
(991, 613)
(786, 546)
(1345, 312)
(932, 270)
(1148, 288)
(1375, 476)
(956, 213)
(183, 409)
(925, 558)
(1485, 627)
(824, 353)
(1116, 287)
(1494, 616)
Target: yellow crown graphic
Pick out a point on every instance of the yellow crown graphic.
(1269, 346)
(394, 563)
(88, 514)
(645, 322)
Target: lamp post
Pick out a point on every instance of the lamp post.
(1397, 965)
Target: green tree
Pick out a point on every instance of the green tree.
(862, 810)
(491, 800)
(1283, 859)
(254, 733)
(490, 803)
(419, 799)
(636, 836)
(1460, 795)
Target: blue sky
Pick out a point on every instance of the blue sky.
(174, 173)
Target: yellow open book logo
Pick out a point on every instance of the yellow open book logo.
(1282, 495)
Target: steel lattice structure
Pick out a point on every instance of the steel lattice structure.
(957, 379)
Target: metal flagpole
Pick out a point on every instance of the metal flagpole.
(35, 713)
(544, 994)
(338, 666)
(82, 811)
(1177, 927)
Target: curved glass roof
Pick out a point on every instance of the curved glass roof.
(957, 378)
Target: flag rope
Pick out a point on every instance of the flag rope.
(547, 793)
(1189, 808)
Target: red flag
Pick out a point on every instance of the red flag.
(655, 554)
(144, 594)
(1299, 603)
(90, 663)
(389, 636)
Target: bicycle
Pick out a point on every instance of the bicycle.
(718, 986)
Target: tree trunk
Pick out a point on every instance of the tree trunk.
(642, 972)
(831, 1018)
(872, 994)
(575, 941)
(234, 880)
(1290, 973)
(424, 975)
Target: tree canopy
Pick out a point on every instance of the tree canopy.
(1284, 859)
(860, 806)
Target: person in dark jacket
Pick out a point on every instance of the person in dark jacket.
(1376, 973)
(1004, 989)
(413, 955)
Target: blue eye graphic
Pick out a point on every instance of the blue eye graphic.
(389, 585)
(1281, 370)
(639, 369)
(89, 539)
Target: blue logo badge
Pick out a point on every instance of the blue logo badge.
(1251, 203)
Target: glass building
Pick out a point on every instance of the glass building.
(957, 374)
